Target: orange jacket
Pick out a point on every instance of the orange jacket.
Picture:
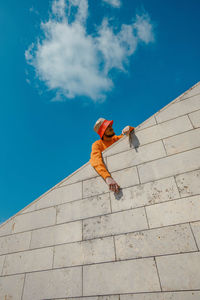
(96, 157)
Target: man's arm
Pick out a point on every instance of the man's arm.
(97, 162)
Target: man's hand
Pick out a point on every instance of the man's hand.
(113, 186)
(126, 130)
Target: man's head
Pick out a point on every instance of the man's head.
(109, 132)
(104, 128)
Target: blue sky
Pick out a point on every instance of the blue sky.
(65, 64)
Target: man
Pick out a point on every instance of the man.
(104, 129)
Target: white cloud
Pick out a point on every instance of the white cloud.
(74, 63)
(144, 28)
(115, 3)
(58, 8)
(116, 47)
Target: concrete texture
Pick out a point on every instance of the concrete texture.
(81, 241)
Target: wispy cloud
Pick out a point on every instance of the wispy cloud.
(74, 63)
(114, 3)
(144, 28)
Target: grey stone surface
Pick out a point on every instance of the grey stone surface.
(61, 195)
(108, 297)
(85, 172)
(116, 223)
(126, 177)
(186, 295)
(94, 187)
(33, 220)
(53, 284)
(188, 183)
(6, 228)
(11, 287)
(196, 230)
(59, 234)
(119, 146)
(162, 241)
(164, 130)
(179, 109)
(145, 194)
(182, 142)
(85, 208)
(195, 118)
(2, 258)
(136, 156)
(149, 122)
(30, 208)
(192, 92)
(88, 252)
(170, 166)
(28, 261)
(174, 212)
(179, 272)
(15, 242)
(121, 277)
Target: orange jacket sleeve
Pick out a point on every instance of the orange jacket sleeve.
(97, 162)
(96, 157)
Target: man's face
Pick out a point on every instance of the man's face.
(109, 131)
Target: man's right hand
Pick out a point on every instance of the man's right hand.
(113, 186)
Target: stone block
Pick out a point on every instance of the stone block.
(136, 156)
(60, 195)
(185, 295)
(28, 261)
(174, 212)
(148, 123)
(178, 109)
(162, 241)
(11, 287)
(30, 208)
(88, 252)
(108, 297)
(15, 242)
(196, 230)
(192, 92)
(2, 258)
(145, 194)
(85, 172)
(116, 223)
(94, 187)
(33, 220)
(195, 118)
(182, 142)
(53, 284)
(6, 228)
(121, 277)
(59, 234)
(126, 177)
(170, 166)
(81, 298)
(164, 130)
(179, 272)
(85, 208)
(118, 146)
(188, 183)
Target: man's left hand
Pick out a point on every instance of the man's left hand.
(126, 130)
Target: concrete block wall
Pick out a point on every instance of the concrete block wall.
(81, 241)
